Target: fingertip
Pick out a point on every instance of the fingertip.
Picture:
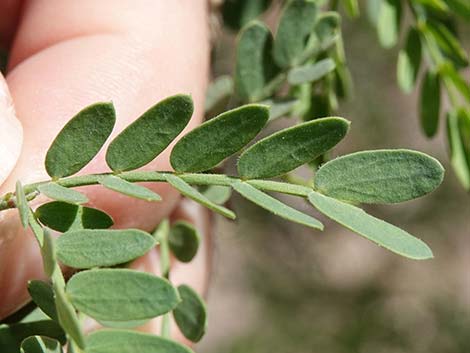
(11, 133)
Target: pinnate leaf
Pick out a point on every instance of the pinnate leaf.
(89, 248)
(43, 295)
(130, 189)
(150, 134)
(183, 241)
(380, 232)
(381, 176)
(190, 315)
(292, 147)
(275, 206)
(296, 23)
(188, 191)
(40, 344)
(62, 216)
(210, 143)
(121, 294)
(57, 192)
(123, 341)
(80, 140)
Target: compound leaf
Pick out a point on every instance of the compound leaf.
(381, 176)
(254, 66)
(40, 344)
(183, 241)
(190, 315)
(89, 248)
(310, 72)
(380, 232)
(409, 61)
(130, 189)
(296, 23)
(80, 140)
(275, 206)
(121, 294)
(188, 191)
(123, 341)
(210, 143)
(430, 103)
(150, 134)
(62, 216)
(290, 148)
(42, 294)
(57, 192)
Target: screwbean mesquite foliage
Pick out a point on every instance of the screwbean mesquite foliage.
(299, 71)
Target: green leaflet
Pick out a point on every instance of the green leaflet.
(374, 229)
(188, 191)
(290, 148)
(448, 44)
(11, 336)
(279, 107)
(22, 205)
(68, 318)
(210, 143)
(40, 344)
(216, 193)
(409, 61)
(381, 176)
(121, 294)
(89, 248)
(447, 70)
(310, 72)
(388, 22)
(183, 241)
(352, 8)
(62, 216)
(57, 192)
(190, 315)
(460, 7)
(48, 253)
(237, 13)
(275, 206)
(254, 66)
(122, 341)
(80, 140)
(296, 23)
(130, 189)
(43, 295)
(218, 95)
(150, 134)
(458, 133)
(430, 103)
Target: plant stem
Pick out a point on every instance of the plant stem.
(7, 201)
(161, 234)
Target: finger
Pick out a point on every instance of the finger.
(11, 133)
(131, 52)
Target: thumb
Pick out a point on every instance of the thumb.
(11, 133)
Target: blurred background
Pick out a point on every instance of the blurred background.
(279, 287)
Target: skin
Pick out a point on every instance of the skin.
(67, 54)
